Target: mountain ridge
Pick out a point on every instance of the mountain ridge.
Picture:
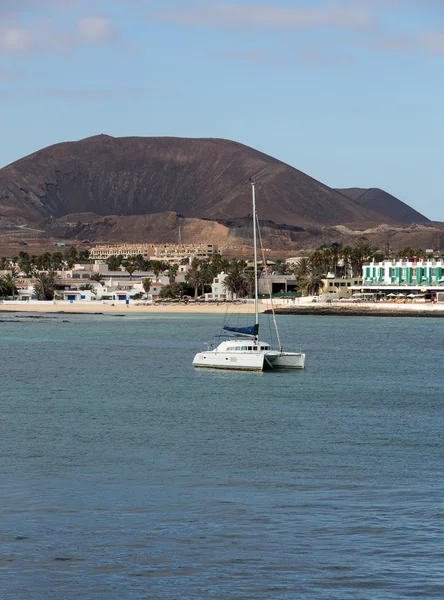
(384, 204)
(197, 177)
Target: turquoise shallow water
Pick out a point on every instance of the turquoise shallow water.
(126, 474)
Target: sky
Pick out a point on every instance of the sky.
(350, 92)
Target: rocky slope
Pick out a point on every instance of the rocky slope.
(197, 178)
(386, 205)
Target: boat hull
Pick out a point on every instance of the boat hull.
(286, 360)
(247, 361)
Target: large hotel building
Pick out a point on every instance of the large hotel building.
(163, 252)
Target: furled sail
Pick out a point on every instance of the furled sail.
(253, 330)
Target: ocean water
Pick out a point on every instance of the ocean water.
(127, 474)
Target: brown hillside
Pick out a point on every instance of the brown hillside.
(203, 178)
(386, 205)
(234, 235)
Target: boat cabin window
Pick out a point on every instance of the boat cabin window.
(238, 348)
(265, 347)
(244, 348)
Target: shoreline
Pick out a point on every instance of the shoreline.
(121, 309)
(312, 309)
(400, 310)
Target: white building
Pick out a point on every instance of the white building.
(172, 253)
(218, 292)
(408, 278)
(411, 272)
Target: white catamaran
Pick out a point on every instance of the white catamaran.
(242, 350)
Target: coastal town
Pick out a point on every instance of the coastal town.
(148, 275)
(221, 299)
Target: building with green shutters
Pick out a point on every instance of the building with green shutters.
(410, 278)
(422, 273)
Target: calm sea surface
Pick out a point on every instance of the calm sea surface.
(126, 474)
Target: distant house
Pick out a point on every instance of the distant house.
(77, 295)
(339, 287)
(156, 288)
(218, 292)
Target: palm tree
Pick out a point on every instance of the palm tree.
(23, 255)
(319, 261)
(194, 279)
(346, 254)
(172, 272)
(281, 267)
(70, 257)
(302, 268)
(207, 276)
(26, 267)
(8, 285)
(235, 281)
(249, 278)
(146, 284)
(114, 263)
(130, 269)
(45, 285)
(56, 261)
(219, 264)
(312, 283)
(361, 253)
(157, 267)
(84, 256)
(335, 254)
(44, 261)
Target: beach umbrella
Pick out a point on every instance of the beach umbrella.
(411, 296)
(391, 296)
(401, 295)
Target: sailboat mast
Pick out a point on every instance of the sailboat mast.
(256, 301)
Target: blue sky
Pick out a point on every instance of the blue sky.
(349, 91)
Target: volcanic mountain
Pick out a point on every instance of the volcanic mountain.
(195, 178)
(384, 204)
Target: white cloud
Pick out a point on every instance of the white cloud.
(16, 40)
(95, 30)
(330, 14)
(44, 35)
(432, 42)
(301, 59)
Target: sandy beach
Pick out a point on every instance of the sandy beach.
(313, 309)
(98, 308)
